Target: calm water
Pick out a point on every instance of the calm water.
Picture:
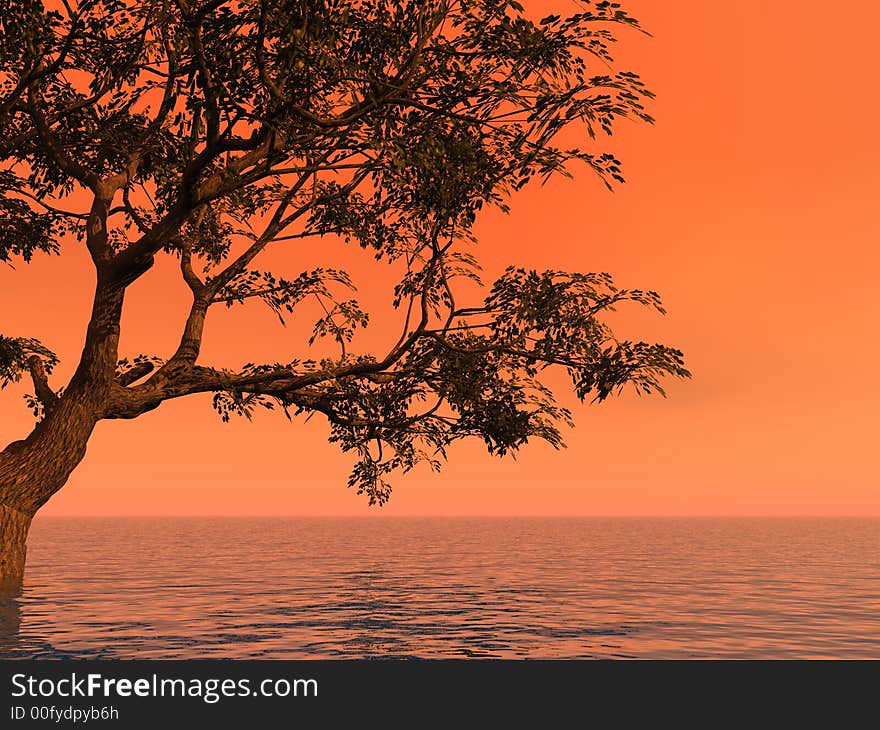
(345, 588)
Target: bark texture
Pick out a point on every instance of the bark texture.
(31, 471)
(13, 547)
(34, 469)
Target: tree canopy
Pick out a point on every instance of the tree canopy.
(212, 130)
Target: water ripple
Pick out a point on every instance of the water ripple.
(405, 588)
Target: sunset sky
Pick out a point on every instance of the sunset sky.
(751, 206)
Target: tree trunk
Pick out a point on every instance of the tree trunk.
(14, 527)
(31, 471)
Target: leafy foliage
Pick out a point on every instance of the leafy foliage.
(211, 130)
(15, 353)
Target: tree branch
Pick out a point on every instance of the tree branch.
(42, 390)
(135, 373)
(74, 169)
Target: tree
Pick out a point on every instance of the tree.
(211, 130)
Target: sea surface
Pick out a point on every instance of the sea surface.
(443, 588)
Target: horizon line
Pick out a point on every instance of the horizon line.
(801, 515)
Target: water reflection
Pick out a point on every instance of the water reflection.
(10, 620)
(337, 588)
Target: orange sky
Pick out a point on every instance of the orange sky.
(751, 206)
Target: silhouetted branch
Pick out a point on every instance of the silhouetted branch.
(42, 389)
(137, 371)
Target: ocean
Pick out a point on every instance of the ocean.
(385, 587)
